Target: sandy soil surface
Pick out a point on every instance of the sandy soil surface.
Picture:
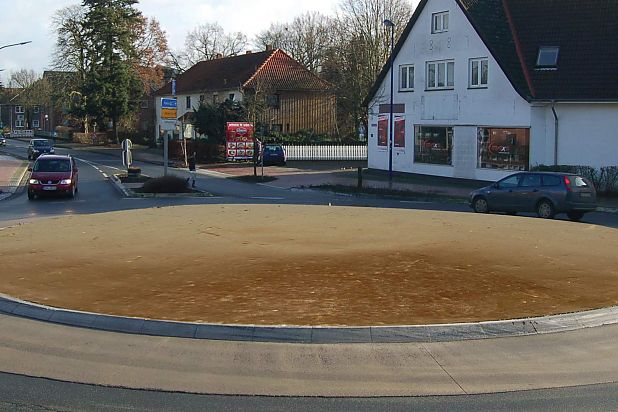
(310, 265)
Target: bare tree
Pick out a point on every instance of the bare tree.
(307, 38)
(153, 53)
(361, 50)
(208, 40)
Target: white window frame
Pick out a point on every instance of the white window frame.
(36, 124)
(449, 83)
(438, 21)
(407, 87)
(548, 49)
(19, 109)
(476, 82)
(188, 102)
(19, 121)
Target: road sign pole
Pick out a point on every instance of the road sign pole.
(165, 152)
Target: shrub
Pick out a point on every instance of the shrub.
(166, 184)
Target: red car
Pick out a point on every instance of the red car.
(53, 174)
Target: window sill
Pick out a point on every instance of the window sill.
(477, 87)
(441, 89)
(406, 90)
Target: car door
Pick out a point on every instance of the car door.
(503, 197)
(528, 192)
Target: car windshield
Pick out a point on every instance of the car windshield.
(273, 149)
(52, 165)
(40, 143)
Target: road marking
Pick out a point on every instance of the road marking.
(105, 175)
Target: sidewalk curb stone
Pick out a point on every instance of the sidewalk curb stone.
(312, 334)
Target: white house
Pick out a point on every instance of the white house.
(486, 87)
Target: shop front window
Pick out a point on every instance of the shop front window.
(503, 148)
(433, 145)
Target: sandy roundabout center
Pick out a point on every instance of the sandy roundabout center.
(310, 265)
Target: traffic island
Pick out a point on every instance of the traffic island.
(311, 266)
(141, 186)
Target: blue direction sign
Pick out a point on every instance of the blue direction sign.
(169, 103)
(169, 109)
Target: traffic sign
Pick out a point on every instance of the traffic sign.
(169, 109)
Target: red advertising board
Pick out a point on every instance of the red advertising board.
(400, 131)
(382, 130)
(239, 144)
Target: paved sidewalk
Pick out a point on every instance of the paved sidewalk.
(11, 173)
(410, 369)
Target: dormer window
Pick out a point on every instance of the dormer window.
(548, 57)
(439, 22)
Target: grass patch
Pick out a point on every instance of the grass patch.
(393, 193)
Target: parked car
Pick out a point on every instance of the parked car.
(544, 193)
(274, 155)
(38, 147)
(2, 141)
(53, 174)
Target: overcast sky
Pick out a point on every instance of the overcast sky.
(31, 20)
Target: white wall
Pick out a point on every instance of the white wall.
(587, 134)
(498, 105)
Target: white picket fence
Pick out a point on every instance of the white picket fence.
(22, 133)
(325, 152)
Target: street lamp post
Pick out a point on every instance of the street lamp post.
(389, 23)
(15, 44)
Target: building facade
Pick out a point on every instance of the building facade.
(292, 98)
(483, 88)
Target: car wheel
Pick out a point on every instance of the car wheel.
(480, 205)
(545, 209)
(31, 195)
(575, 216)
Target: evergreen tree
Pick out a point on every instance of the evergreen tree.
(112, 86)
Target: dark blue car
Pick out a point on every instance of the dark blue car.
(274, 155)
(546, 194)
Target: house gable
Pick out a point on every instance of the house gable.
(281, 72)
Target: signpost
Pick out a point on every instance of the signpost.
(127, 156)
(169, 116)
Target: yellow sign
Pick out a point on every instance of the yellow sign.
(167, 113)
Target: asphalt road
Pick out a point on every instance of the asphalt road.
(96, 195)
(22, 393)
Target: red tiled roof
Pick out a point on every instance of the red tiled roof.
(218, 74)
(244, 71)
(281, 72)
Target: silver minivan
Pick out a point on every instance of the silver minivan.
(545, 193)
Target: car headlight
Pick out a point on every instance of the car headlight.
(51, 150)
(33, 182)
(35, 150)
(65, 182)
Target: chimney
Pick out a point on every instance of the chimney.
(218, 56)
(248, 52)
(269, 47)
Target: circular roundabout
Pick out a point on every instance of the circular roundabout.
(310, 265)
